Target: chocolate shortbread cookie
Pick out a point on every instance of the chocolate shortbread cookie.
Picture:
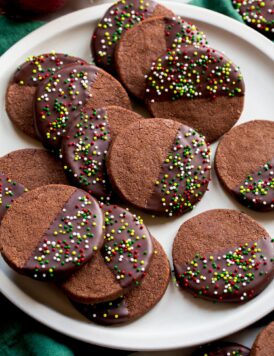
(124, 260)
(223, 255)
(139, 300)
(264, 343)
(33, 167)
(199, 87)
(159, 165)
(222, 349)
(62, 97)
(120, 17)
(51, 231)
(244, 163)
(86, 144)
(22, 87)
(257, 14)
(9, 191)
(144, 43)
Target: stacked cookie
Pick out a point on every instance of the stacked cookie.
(60, 208)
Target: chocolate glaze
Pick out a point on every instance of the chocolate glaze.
(261, 12)
(84, 150)
(40, 67)
(257, 190)
(70, 241)
(207, 67)
(225, 277)
(222, 349)
(184, 175)
(9, 191)
(128, 247)
(179, 32)
(59, 99)
(107, 313)
(117, 19)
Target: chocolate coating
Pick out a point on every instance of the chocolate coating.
(61, 98)
(127, 249)
(191, 72)
(120, 17)
(124, 260)
(257, 14)
(21, 90)
(191, 77)
(47, 239)
(146, 42)
(222, 349)
(264, 343)
(165, 169)
(244, 164)
(137, 301)
(86, 144)
(223, 255)
(9, 191)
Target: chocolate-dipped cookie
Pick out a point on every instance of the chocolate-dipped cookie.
(33, 168)
(264, 343)
(124, 260)
(222, 349)
(51, 231)
(144, 43)
(86, 144)
(244, 163)
(22, 87)
(139, 300)
(9, 191)
(159, 165)
(257, 14)
(62, 97)
(120, 17)
(223, 255)
(199, 87)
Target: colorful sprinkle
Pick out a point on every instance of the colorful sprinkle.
(84, 150)
(9, 191)
(234, 275)
(128, 249)
(191, 72)
(258, 14)
(70, 240)
(184, 174)
(257, 191)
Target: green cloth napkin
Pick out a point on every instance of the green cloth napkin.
(12, 31)
(223, 6)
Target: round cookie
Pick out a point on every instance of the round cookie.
(139, 300)
(22, 87)
(86, 144)
(62, 97)
(223, 255)
(257, 14)
(199, 87)
(165, 169)
(244, 163)
(147, 41)
(264, 343)
(222, 349)
(51, 231)
(124, 260)
(9, 191)
(120, 17)
(33, 168)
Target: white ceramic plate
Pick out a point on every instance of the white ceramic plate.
(178, 320)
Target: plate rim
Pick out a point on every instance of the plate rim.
(69, 21)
